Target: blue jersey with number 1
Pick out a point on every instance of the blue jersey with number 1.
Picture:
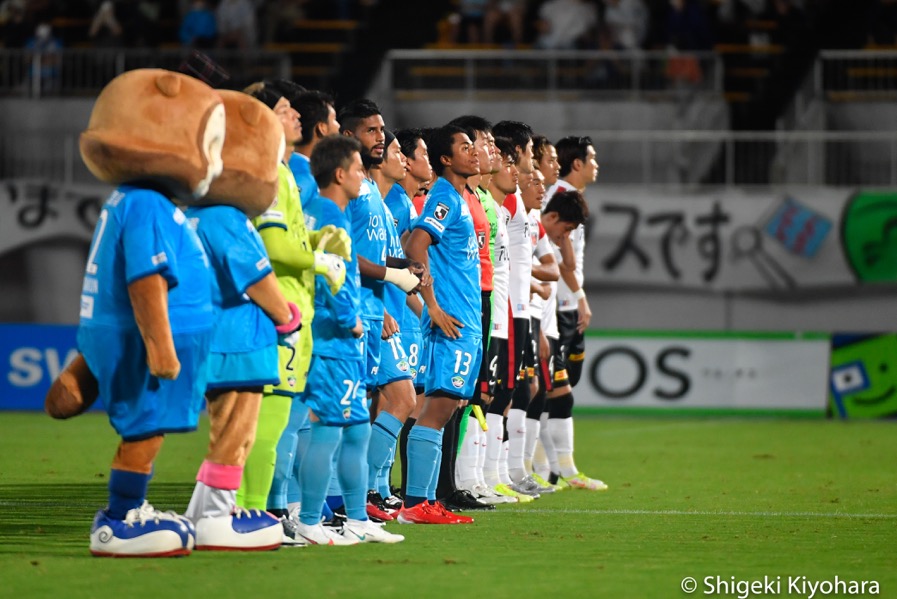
(454, 257)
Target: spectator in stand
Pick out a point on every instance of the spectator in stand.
(467, 23)
(507, 12)
(565, 24)
(105, 30)
(15, 28)
(198, 29)
(627, 22)
(688, 27)
(45, 65)
(236, 24)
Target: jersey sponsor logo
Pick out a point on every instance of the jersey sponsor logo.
(159, 258)
(434, 223)
(346, 413)
(457, 382)
(441, 211)
(481, 239)
(310, 221)
(521, 307)
(193, 223)
(179, 217)
(272, 215)
(90, 285)
(262, 264)
(402, 365)
(86, 306)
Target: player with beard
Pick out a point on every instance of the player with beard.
(362, 120)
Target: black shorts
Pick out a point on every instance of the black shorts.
(521, 343)
(485, 370)
(556, 367)
(499, 369)
(532, 359)
(572, 342)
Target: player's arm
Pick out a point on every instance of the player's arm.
(543, 290)
(390, 326)
(285, 255)
(149, 300)
(413, 302)
(398, 273)
(568, 275)
(266, 295)
(546, 269)
(418, 245)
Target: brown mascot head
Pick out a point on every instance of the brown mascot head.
(253, 148)
(156, 125)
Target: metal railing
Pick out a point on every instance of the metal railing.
(856, 74)
(632, 73)
(84, 72)
(626, 157)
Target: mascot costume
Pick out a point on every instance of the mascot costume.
(247, 299)
(146, 306)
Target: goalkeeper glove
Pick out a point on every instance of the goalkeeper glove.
(332, 240)
(333, 269)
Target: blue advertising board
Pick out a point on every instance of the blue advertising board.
(32, 356)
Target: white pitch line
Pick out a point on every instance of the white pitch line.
(702, 513)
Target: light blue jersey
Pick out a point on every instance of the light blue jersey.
(367, 215)
(300, 166)
(139, 233)
(454, 257)
(336, 315)
(239, 261)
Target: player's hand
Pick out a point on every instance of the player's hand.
(333, 240)
(422, 273)
(544, 348)
(585, 315)
(288, 333)
(333, 269)
(447, 323)
(403, 278)
(390, 326)
(358, 330)
(163, 362)
(543, 290)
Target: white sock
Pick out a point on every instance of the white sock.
(540, 460)
(561, 430)
(516, 444)
(503, 464)
(494, 437)
(294, 506)
(529, 448)
(548, 445)
(466, 464)
(482, 437)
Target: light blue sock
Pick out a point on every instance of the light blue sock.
(384, 435)
(286, 454)
(294, 493)
(352, 469)
(314, 475)
(434, 482)
(424, 444)
(383, 475)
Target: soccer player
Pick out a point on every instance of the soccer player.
(516, 393)
(418, 177)
(443, 239)
(477, 129)
(578, 168)
(501, 184)
(295, 262)
(318, 115)
(335, 395)
(545, 159)
(362, 120)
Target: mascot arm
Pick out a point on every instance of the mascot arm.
(286, 258)
(149, 298)
(267, 295)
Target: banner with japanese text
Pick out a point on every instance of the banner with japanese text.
(738, 240)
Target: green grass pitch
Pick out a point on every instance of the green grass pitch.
(742, 498)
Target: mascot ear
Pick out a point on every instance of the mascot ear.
(251, 112)
(169, 84)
